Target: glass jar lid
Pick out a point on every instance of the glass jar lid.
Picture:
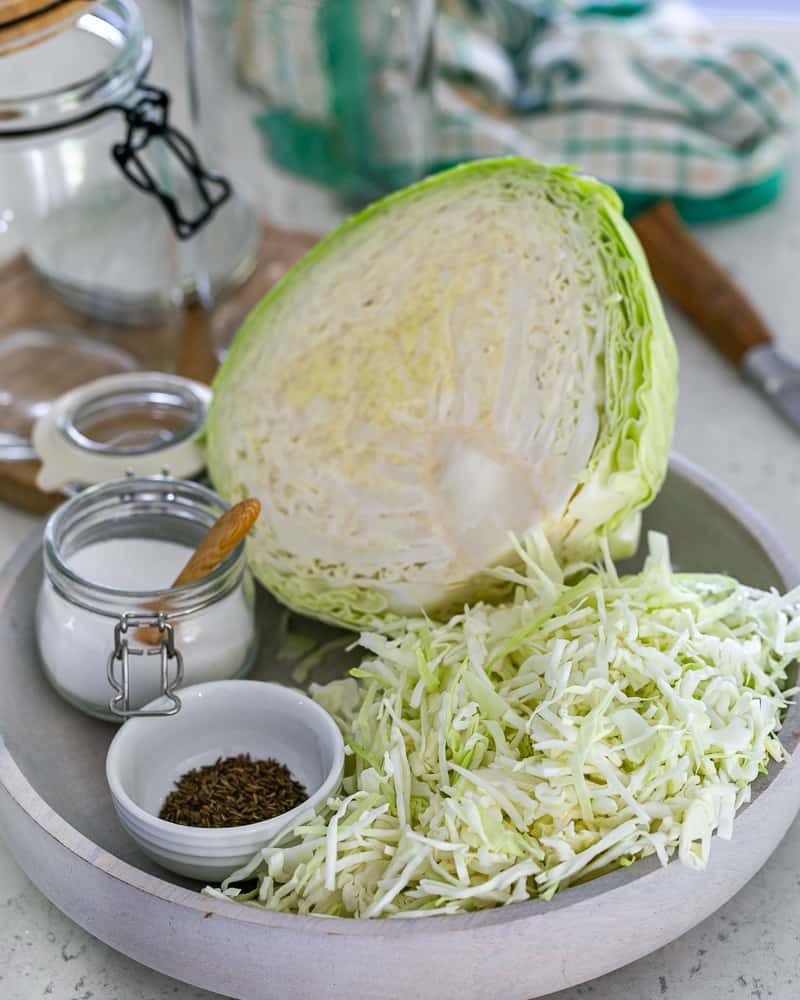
(129, 424)
(36, 368)
(71, 70)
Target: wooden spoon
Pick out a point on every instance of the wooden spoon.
(223, 536)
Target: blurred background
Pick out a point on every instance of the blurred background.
(189, 151)
(752, 7)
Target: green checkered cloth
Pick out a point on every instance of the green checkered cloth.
(639, 94)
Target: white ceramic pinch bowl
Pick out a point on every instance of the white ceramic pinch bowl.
(219, 719)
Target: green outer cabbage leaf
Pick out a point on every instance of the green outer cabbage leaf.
(308, 560)
(521, 748)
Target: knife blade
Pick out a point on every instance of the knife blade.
(690, 277)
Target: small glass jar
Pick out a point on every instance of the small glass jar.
(312, 108)
(333, 97)
(113, 634)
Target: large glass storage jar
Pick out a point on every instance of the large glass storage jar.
(113, 634)
(100, 201)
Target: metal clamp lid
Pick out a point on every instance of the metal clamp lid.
(120, 704)
(135, 423)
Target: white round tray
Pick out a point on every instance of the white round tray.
(57, 818)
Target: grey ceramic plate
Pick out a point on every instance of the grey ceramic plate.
(56, 815)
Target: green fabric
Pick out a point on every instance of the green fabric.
(739, 202)
(619, 89)
(621, 9)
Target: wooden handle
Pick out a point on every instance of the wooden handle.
(222, 538)
(686, 273)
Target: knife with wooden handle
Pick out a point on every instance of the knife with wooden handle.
(686, 273)
(692, 279)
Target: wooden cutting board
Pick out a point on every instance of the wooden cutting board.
(196, 356)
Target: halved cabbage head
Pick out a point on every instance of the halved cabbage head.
(481, 354)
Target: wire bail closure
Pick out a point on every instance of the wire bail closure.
(166, 650)
(148, 119)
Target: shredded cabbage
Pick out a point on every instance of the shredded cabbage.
(521, 748)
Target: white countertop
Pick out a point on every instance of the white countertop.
(748, 949)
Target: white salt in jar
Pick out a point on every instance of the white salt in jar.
(110, 555)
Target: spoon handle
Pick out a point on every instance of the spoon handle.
(222, 538)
